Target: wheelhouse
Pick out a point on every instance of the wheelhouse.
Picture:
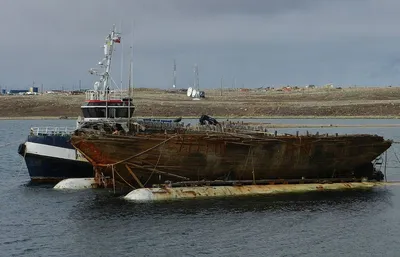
(118, 108)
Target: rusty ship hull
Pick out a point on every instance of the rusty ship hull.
(145, 159)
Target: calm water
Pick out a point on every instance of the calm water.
(39, 221)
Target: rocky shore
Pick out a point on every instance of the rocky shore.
(300, 103)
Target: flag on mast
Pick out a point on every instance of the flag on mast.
(117, 39)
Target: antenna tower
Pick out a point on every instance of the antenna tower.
(196, 83)
(174, 75)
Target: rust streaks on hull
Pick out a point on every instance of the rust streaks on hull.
(211, 156)
(157, 171)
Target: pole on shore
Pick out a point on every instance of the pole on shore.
(222, 81)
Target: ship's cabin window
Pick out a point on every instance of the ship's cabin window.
(104, 103)
(115, 109)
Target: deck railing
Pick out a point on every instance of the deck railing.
(112, 95)
(52, 131)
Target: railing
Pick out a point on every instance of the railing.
(62, 131)
(112, 95)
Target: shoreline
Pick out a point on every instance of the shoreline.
(269, 125)
(219, 117)
(347, 103)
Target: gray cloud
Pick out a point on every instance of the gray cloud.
(239, 7)
(257, 41)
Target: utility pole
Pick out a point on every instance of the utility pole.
(174, 75)
(80, 89)
(196, 78)
(222, 82)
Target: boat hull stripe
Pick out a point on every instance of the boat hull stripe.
(53, 151)
(43, 168)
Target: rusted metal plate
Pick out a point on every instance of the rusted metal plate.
(215, 157)
(233, 152)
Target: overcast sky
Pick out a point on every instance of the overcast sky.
(256, 42)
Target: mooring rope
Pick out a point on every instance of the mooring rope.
(252, 165)
(10, 143)
(247, 159)
(155, 167)
(5, 145)
(113, 177)
(22, 162)
(124, 180)
(395, 154)
(141, 153)
(385, 166)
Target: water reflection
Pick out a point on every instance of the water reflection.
(40, 221)
(110, 207)
(34, 184)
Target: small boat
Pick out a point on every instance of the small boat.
(50, 157)
(48, 153)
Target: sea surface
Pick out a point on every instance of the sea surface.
(39, 221)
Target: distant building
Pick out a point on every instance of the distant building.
(34, 89)
(17, 91)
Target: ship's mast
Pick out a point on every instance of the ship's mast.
(102, 87)
(130, 81)
(122, 61)
(130, 89)
(109, 49)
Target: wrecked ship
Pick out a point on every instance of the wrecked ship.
(142, 154)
